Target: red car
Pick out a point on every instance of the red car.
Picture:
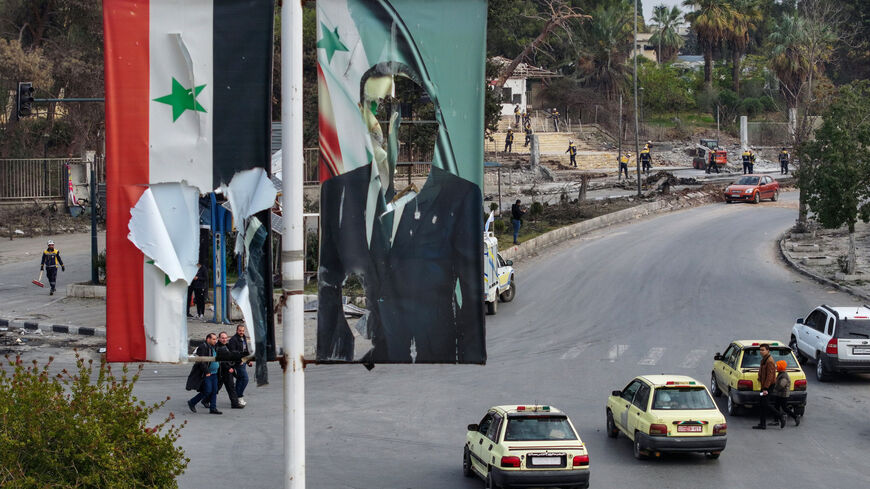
(752, 188)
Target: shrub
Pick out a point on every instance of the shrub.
(536, 209)
(73, 430)
(499, 226)
(751, 106)
(768, 103)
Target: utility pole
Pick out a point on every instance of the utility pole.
(636, 136)
(292, 245)
(619, 131)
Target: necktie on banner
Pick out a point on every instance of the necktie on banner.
(188, 105)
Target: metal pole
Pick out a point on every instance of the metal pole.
(619, 131)
(94, 276)
(292, 244)
(636, 136)
(717, 123)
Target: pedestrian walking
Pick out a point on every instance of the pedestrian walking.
(204, 376)
(646, 158)
(783, 161)
(199, 285)
(226, 372)
(555, 115)
(572, 152)
(781, 391)
(239, 343)
(623, 165)
(747, 159)
(517, 114)
(528, 130)
(517, 212)
(527, 118)
(50, 261)
(766, 379)
(509, 141)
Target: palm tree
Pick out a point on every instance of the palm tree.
(605, 45)
(786, 56)
(668, 41)
(744, 18)
(710, 20)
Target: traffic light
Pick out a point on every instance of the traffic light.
(24, 105)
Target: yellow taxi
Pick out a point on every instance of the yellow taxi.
(667, 413)
(735, 374)
(526, 446)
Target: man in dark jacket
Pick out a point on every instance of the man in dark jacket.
(239, 343)
(509, 141)
(781, 390)
(517, 213)
(766, 379)
(203, 376)
(199, 285)
(50, 261)
(226, 372)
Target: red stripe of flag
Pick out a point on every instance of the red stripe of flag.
(126, 58)
(330, 150)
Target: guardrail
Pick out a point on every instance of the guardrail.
(23, 179)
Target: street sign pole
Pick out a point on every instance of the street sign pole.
(636, 125)
(292, 245)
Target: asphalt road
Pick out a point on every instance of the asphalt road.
(660, 295)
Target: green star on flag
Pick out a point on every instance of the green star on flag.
(330, 42)
(181, 99)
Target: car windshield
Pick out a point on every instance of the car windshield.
(853, 328)
(538, 428)
(679, 398)
(752, 357)
(747, 181)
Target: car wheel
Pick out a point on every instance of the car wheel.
(775, 196)
(714, 386)
(466, 464)
(638, 453)
(510, 293)
(712, 455)
(793, 345)
(612, 430)
(822, 374)
(728, 201)
(732, 407)
(756, 198)
(490, 484)
(492, 307)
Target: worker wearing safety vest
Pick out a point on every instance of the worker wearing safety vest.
(747, 157)
(623, 165)
(509, 141)
(711, 164)
(517, 114)
(646, 158)
(50, 260)
(572, 152)
(528, 134)
(783, 161)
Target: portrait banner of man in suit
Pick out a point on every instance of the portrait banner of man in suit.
(414, 245)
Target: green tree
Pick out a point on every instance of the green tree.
(665, 91)
(786, 59)
(711, 21)
(665, 38)
(605, 45)
(838, 190)
(82, 429)
(745, 17)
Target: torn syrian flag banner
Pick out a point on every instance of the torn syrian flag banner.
(188, 105)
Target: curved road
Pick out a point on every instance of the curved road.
(659, 295)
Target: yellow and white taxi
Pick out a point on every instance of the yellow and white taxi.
(667, 413)
(735, 374)
(526, 446)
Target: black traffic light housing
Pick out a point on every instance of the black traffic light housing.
(24, 103)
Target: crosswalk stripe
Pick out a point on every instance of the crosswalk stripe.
(574, 351)
(693, 358)
(652, 356)
(615, 352)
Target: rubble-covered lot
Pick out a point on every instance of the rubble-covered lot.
(14, 341)
(822, 252)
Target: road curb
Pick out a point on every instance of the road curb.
(556, 236)
(52, 328)
(818, 278)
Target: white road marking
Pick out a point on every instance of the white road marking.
(693, 358)
(652, 356)
(574, 351)
(615, 352)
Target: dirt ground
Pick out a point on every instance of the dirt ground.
(29, 220)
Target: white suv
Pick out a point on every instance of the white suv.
(837, 339)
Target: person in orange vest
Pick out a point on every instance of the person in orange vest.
(50, 260)
(572, 152)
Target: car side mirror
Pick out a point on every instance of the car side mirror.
(799, 320)
(473, 427)
(509, 262)
(717, 356)
(616, 393)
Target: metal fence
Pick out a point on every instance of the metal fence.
(23, 179)
(766, 133)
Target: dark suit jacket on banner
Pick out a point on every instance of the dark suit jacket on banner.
(425, 292)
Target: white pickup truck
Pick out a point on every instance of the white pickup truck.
(498, 275)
